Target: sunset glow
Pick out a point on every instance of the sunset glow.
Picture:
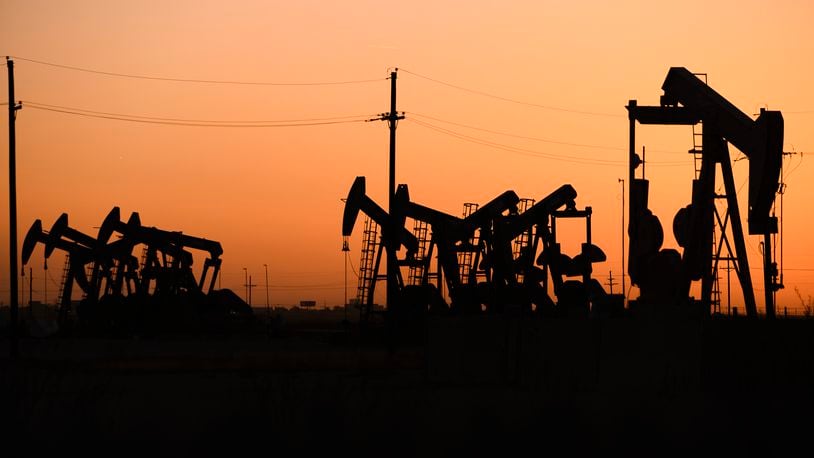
(524, 95)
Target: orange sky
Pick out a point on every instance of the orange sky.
(272, 195)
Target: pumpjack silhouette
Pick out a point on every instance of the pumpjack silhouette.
(499, 256)
(124, 294)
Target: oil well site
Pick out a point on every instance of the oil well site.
(492, 338)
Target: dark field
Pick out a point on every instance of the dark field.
(483, 386)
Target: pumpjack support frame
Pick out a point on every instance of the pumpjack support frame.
(689, 101)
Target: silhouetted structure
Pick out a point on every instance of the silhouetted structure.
(122, 294)
(495, 259)
(663, 275)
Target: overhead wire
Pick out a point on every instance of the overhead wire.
(187, 120)
(799, 163)
(193, 80)
(145, 120)
(334, 120)
(530, 152)
(537, 139)
(507, 99)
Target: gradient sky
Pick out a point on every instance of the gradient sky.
(272, 195)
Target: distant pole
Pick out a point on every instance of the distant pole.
(250, 290)
(624, 292)
(30, 287)
(345, 250)
(610, 281)
(246, 284)
(728, 289)
(268, 304)
(12, 207)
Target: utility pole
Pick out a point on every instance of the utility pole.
(22, 287)
(345, 250)
(12, 207)
(392, 119)
(250, 286)
(30, 288)
(246, 284)
(624, 291)
(728, 288)
(268, 304)
(610, 282)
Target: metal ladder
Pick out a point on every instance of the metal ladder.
(65, 271)
(698, 137)
(522, 241)
(370, 245)
(416, 271)
(697, 146)
(466, 257)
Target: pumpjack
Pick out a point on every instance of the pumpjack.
(358, 201)
(498, 224)
(79, 256)
(664, 276)
(450, 234)
(119, 293)
(574, 297)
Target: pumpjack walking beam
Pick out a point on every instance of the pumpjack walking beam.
(78, 255)
(511, 227)
(392, 240)
(166, 241)
(446, 230)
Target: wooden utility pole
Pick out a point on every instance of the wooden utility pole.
(12, 207)
(249, 286)
(30, 288)
(610, 282)
(392, 119)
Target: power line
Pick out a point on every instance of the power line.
(529, 152)
(537, 139)
(788, 174)
(190, 124)
(192, 80)
(186, 120)
(512, 148)
(506, 99)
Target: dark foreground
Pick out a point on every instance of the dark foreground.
(483, 386)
